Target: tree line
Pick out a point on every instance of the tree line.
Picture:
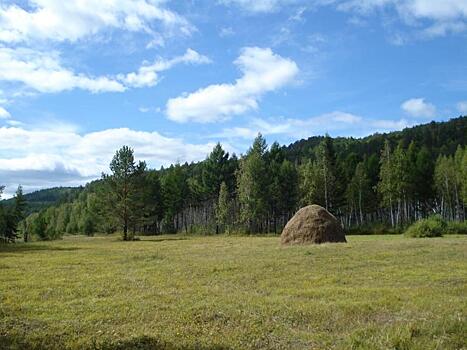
(12, 216)
(385, 180)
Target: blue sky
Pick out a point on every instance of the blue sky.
(78, 79)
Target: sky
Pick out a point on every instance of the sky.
(79, 79)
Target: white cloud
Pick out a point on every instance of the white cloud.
(263, 71)
(257, 5)
(417, 107)
(436, 18)
(462, 107)
(147, 76)
(4, 114)
(61, 156)
(59, 20)
(337, 123)
(44, 72)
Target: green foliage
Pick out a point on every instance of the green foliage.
(456, 228)
(327, 186)
(124, 193)
(223, 207)
(434, 226)
(385, 180)
(11, 216)
(252, 186)
(450, 183)
(359, 192)
(42, 199)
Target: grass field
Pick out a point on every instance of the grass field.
(376, 292)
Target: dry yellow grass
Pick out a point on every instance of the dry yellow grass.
(375, 292)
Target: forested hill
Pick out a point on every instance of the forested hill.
(38, 200)
(438, 137)
(388, 179)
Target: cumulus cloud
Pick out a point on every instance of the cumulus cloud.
(61, 156)
(59, 20)
(336, 123)
(147, 76)
(45, 73)
(262, 71)
(418, 107)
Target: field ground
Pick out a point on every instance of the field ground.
(376, 292)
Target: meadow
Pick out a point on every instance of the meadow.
(221, 292)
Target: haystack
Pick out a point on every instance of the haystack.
(312, 224)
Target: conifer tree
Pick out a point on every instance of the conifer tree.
(122, 187)
(252, 188)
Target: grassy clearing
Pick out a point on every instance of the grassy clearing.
(376, 292)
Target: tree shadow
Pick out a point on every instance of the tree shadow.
(155, 240)
(27, 247)
(162, 239)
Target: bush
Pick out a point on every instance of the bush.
(456, 228)
(434, 226)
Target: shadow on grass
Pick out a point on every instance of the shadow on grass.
(136, 343)
(26, 247)
(163, 239)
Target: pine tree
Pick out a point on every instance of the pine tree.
(274, 158)
(123, 189)
(252, 188)
(215, 171)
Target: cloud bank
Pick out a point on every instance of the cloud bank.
(60, 157)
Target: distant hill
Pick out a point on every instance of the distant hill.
(438, 137)
(41, 199)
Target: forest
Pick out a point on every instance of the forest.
(380, 183)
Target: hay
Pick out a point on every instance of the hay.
(312, 224)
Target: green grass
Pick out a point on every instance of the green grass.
(375, 292)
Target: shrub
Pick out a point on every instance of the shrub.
(456, 228)
(434, 226)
